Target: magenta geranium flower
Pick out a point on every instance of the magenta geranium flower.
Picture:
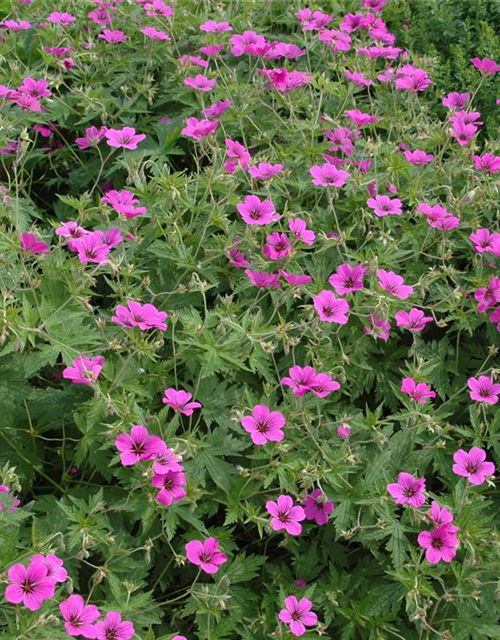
(113, 628)
(154, 34)
(137, 446)
(484, 241)
(299, 230)
(487, 162)
(295, 279)
(264, 425)
(357, 78)
(165, 460)
(383, 206)
(205, 555)
(253, 210)
(347, 278)
(418, 157)
(180, 400)
(15, 26)
(462, 132)
(419, 391)
(158, 8)
(317, 507)
(35, 88)
(284, 515)
(91, 248)
(379, 327)
(330, 308)
(29, 243)
(262, 279)
(488, 296)
(414, 320)
(393, 284)
(298, 615)
(216, 109)
(440, 544)
(54, 565)
(486, 65)
(125, 138)
(323, 384)
(313, 20)
(84, 370)
(344, 431)
(439, 515)
(29, 585)
(483, 389)
(265, 170)
(144, 316)
(72, 231)
(211, 26)
(359, 118)
(277, 246)
(327, 175)
(124, 202)
(92, 137)
(172, 485)
(79, 617)
(408, 490)
(12, 502)
(200, 83)
(113, 37)
(473, 465)
(300, 379)
(63, 19)
(238, 152)
(456, 101)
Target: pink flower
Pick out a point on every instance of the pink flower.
(337, 40)
(200, 83)
(113, 628)
(265, 171)
(211, 26)
(237, 258)
(463, 133)
(30, 244)
(317, 507)
(483, 389)
(165, 460)
(488, 296)
(439, 515)
(91, 248)
(263, 279)
(379, 328)
(79, 617)
(193, 61)
(456, 100)
(245, 43)
(418, 157)
(264, 425)
(414, 320)
(205, 555)
(144, 316)
(383, 206)
(211, 50)
(29, 585)
(216, 109)
(419, 391)
(199, 129)
(344, 431)
(408, 490)
(295, 279)
(35, 88)
(54, 565)
(487, 162)
(158, 8)
(473, 465)
(238, 152)
(14, 25)
(123, 202)
(92, 137)
(125, 138)
(84, 370)
(137, 446)
(298, 615)
(327, 175)
(413, 81)
(357, 78)
(486, 65)
(347, 278)
(172, 485)
(299, 230)
(255, 211)
(63, 19)
(113, 37)
(440, 544)
(285, 81)
(393, 284)
(12, 502)
(484, 241)
(360, 119)
(323, 384)
(354, 21)
(330, 308)
(180, 401)
(154, 34)
(341, 140)
(313, 20)
(285, 516)
(300, 379)
(100, 16)
(278, 246)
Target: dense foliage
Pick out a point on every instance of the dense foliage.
(249, 320)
